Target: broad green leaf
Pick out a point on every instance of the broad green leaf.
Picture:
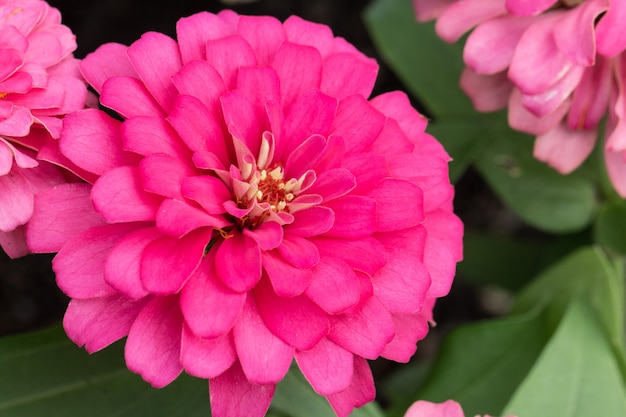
(481, 365)
(45, 374)
(429, 67)
(610, 227)
(576, 375)
(541, 196)
(295, 397)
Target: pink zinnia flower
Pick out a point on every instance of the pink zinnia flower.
(251, 208)
(557, 65)
(445, 409)
(39, 82)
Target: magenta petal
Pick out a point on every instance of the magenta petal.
(303, 32)
(269, 235)
(304, 156)
(299, 69)
(311, 222)
(194, 31)
(210, 309)
(344, 74)
(16, 201)
(118, 195)
(401, 285)
(394, 199)
(14, 243)
(335, 286)
(17, 123)
(167, 262)
(333, 183)
(355, 216)
(163, 175)
(109, 60)
(327, 367)
(232, 395)
(365, 333)
(238, 262)
(156, 59)
(296, 320)
(79, 265)
(60, 214)
(91, 139)
(177, 218)
(287, 280)
(242, 120)
(153, 344)
(206, 358)
(409, 329)
(200, 80)
(264, 33)
(358, 122)
(360, 392)
(299, 252)
(610, 38)
(365, 254)
(265, 358)
(148, 135)
(259, 85)
(129, 97)
(368, 169)
(97, 322)
(122, 268)
(227, 55)
(209, 192)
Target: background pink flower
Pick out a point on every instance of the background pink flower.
(39, 83)
(253, 207)
(557, 65)
(445, 409)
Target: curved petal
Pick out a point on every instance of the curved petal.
(335, 286)
(206, 358)
(238, 262)
(360, 392)
(327, 367)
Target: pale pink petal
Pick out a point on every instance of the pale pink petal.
(365, 333)
(296, 320)
(461, 16)
(360, 392)
(610, 38)
(564, 149)
(574, 33)
(591, 97)
(286, 279)
(167, 263)
(60, 214)
(616, 168)
(427, 409)
(327, 367)
(265, 358)
(334, 276)
(238, 262)
(153, 344)
(528, 7)
(430, 9)
(343, 75)
(210, 309)
(155, 58)
(206, 358)
(355, 216)
(487, 92)
(543, 104)
(109, 60)
(95, 323)
(232, 395)
(523, 120)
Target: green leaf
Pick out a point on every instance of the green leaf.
(429, 67)
(295, 397)
(481, 365)
(610, 226)
(540, 195)
(576, 375)
(45, 374)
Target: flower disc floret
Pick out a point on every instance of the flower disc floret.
(252, 207)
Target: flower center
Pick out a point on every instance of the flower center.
(272, 189)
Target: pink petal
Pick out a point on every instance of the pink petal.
(264, 33)
(360, 392)
(60, 214)
(427, 409)
(303, 32)
(227, 55)
(238, 262)
(616, 168)
(16, 200)
(335, 286)
(396, 104)
(129, 97)
(200, 80)
(287, 280)
(327, 367)
(210, 309)
(544, 103)
(296, 320)
(265, 358)
(79, 265)
(232, 395)
(368, 169)
(523, 120)
(365, 254)
(333, 183)
(91, 139)
(209, 192)
(365, 333)
(394, 198)
(164, 174)
(344, 75)
(177, 218)
(355, 216)
(409, 329)
(460, 17)
(14, 242)
(299, 68)
(17, 123)
(591, 97)
(153, 344)
(304, 156)
(206, 358)
(122, 270)
(528, 7)
(194, 31)
(610, 38)
(311, 222)
(119, 196)
(574, 33)
(97, 322)
(242, 120)
(402, 284)
(11, 63)
(358, 122)
(109, 60)
(564, 149)
(299, 252)
(487, 92)
(148, 135)
(156, 59)
(269, 235)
